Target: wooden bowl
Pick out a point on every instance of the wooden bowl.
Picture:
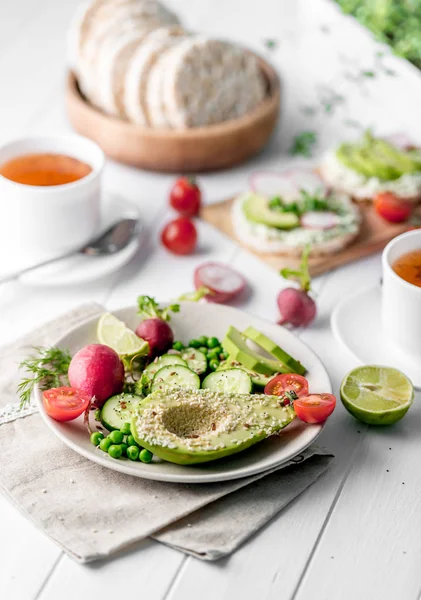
(170, 150)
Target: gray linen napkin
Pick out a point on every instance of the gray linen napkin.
(93, 512)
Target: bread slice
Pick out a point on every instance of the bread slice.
(208, 81)
(139, 69)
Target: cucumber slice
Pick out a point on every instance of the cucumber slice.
(119, 410)
(228, 381)
(196, 360)
(173, 376)
(145, 383)
(258, 379)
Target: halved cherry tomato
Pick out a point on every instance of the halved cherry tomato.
(315, 408)
(185, 197)
(65, 403)
(392, 208)
(180, 236)
(288, 382)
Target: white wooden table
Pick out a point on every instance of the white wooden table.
(355, 533)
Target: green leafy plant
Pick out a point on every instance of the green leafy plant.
(302, 274)
(303, 144)
(150, 309)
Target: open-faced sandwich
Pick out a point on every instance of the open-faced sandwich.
(284, 212)
(373, 165)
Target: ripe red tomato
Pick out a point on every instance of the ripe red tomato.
(315, 408)
(185, 197)
(392, 208)
(288, 382)
(65, 403)
(180, 236)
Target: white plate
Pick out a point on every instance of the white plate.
(81, 268)
(192, 321)
(356, 323)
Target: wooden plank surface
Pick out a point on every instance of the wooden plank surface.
(375, 233)
(356, 513)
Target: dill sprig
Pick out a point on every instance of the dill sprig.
(47, 367)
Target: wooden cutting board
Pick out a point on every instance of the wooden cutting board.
(374, 235)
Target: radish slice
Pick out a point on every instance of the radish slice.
(401, 140)
(305, 179)
(224, 282)
(319, 219)
(272, 184)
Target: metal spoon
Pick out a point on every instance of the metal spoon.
(114, 239)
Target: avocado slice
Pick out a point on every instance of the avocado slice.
(187, 427)
(256, 208)
(269, 345)
(235, 344)
(400, 161)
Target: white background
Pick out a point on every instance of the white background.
(355, 533)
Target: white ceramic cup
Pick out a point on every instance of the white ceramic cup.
(401, 300)
(37, 221)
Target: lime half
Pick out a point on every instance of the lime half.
(377, 395)
(114, 333)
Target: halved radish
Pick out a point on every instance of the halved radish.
(319, 219)
(400, 140)
(223, 281)
(305, 179)
(272, 184)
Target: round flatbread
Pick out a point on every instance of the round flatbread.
(208, 81)
(272, 240)
(138, 71)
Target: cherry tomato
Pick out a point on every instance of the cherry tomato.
(288, 382)
(315, 408)
(392, 208)
(185, 197)
(65, 403)
(180, 236)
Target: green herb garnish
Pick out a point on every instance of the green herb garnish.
(303, 144)
(306, 203)
(302, 275)
(47, 367)
(150, 309)
(271, 44)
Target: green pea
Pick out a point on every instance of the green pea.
(194, 344)
(213, 354)
(131, 441)
(116, 437)
(178, 346)
(96, 437)
(213, 342)
(145, 456)
(203, 340)
(225, 354)
(204, 350)
(133, 452)
(125, 430)
(115, 451)
(105, 443)
(97, 414)
(213, 364)
(124, 447)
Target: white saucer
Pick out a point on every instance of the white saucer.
(81, 268)
(356, 323)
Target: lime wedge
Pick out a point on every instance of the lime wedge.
(114, 333)
(377, 395)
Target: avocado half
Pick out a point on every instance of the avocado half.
(195, 426)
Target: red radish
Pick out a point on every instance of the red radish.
(319, 219)
(305, 179)
(154, 327)
(158, 334)
(295, 305)
(272, 184)
(98, 371)
(400, 140)
(223, 281)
